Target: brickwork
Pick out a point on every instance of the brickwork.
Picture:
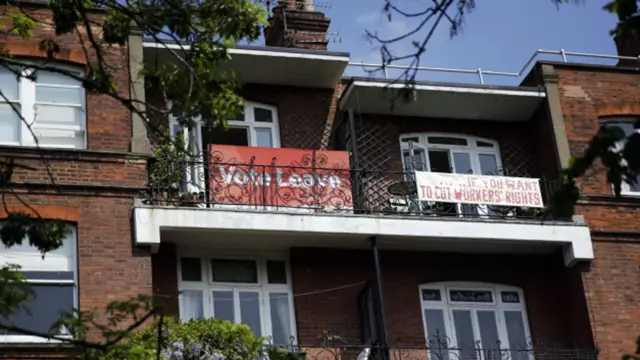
(94, 188)
(306, 117)
(383, 152)
(586, 94)
(110, 125)
(554, 297)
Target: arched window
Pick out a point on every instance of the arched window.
(450, 153)
(465, 317)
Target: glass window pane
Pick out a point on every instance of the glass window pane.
(238, 136)
(462, 163)
(516, 334)
(416, 163)
(191, 269)
(8, 84)
(52, 115)
(30, 258)
(238, 117)
(482, 296)
(431, 295)
(441, 140)
(276, 272)
(44, 310)
(56, 78)
(264, 138)
(464, 334)
(58, 95)
(191, 305)
(65, 138)
(635, 187)
(484, 144)
(488, 164)
(410, 139)
(437, 339)
(280, 318)
(262, 115)
(10, 123)
(510, 297)
(237, 271)
(439, 161)
(488, 330)
(223, 305)
(250, 311)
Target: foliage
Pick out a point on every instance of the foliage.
(209, 339)
(191, 81)
(169, 164)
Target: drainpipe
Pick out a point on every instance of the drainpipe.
(381, 314)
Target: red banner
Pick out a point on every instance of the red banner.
(275, 177)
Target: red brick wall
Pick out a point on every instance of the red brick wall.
(98, 185)
(555, 300)
(513, 139)
(306, 116)
(109, 124)
(612, 283)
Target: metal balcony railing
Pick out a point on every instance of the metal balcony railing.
(321, 190)
(473, 352)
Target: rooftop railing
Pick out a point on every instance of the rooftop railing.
(561, 55)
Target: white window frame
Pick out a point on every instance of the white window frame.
(625, 188)
(195, 181)
(471, 148)
(207, 286)
(27, 100)
(447, 306)
(38, 264)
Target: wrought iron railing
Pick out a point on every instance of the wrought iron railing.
(476, 352)
(320, 189)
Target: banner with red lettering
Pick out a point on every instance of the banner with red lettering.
(478, 189)
(272, 177)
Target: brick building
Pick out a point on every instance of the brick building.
(303, 220)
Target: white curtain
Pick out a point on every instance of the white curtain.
(191, 305)
(280, 318)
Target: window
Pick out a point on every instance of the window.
(257, 126)
(256, 292)
(459, 316)
(53, 105)
(626, 124)
(53, 279)
(451, 154)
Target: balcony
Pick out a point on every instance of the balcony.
(283, 198)
(440, 352)
(310, 181)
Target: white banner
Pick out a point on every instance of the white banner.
(478, 189)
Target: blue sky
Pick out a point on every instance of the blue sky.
(499, 35)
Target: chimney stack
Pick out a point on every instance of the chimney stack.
(296, 24)
(629, 43)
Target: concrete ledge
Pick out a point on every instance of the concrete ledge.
(575, 239)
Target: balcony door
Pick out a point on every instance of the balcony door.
(256, 125)
(452, 154)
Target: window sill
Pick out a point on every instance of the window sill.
(66, 153)
(13, 340)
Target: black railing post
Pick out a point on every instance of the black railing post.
(382, 317)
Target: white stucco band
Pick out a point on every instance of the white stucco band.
(575, 239)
